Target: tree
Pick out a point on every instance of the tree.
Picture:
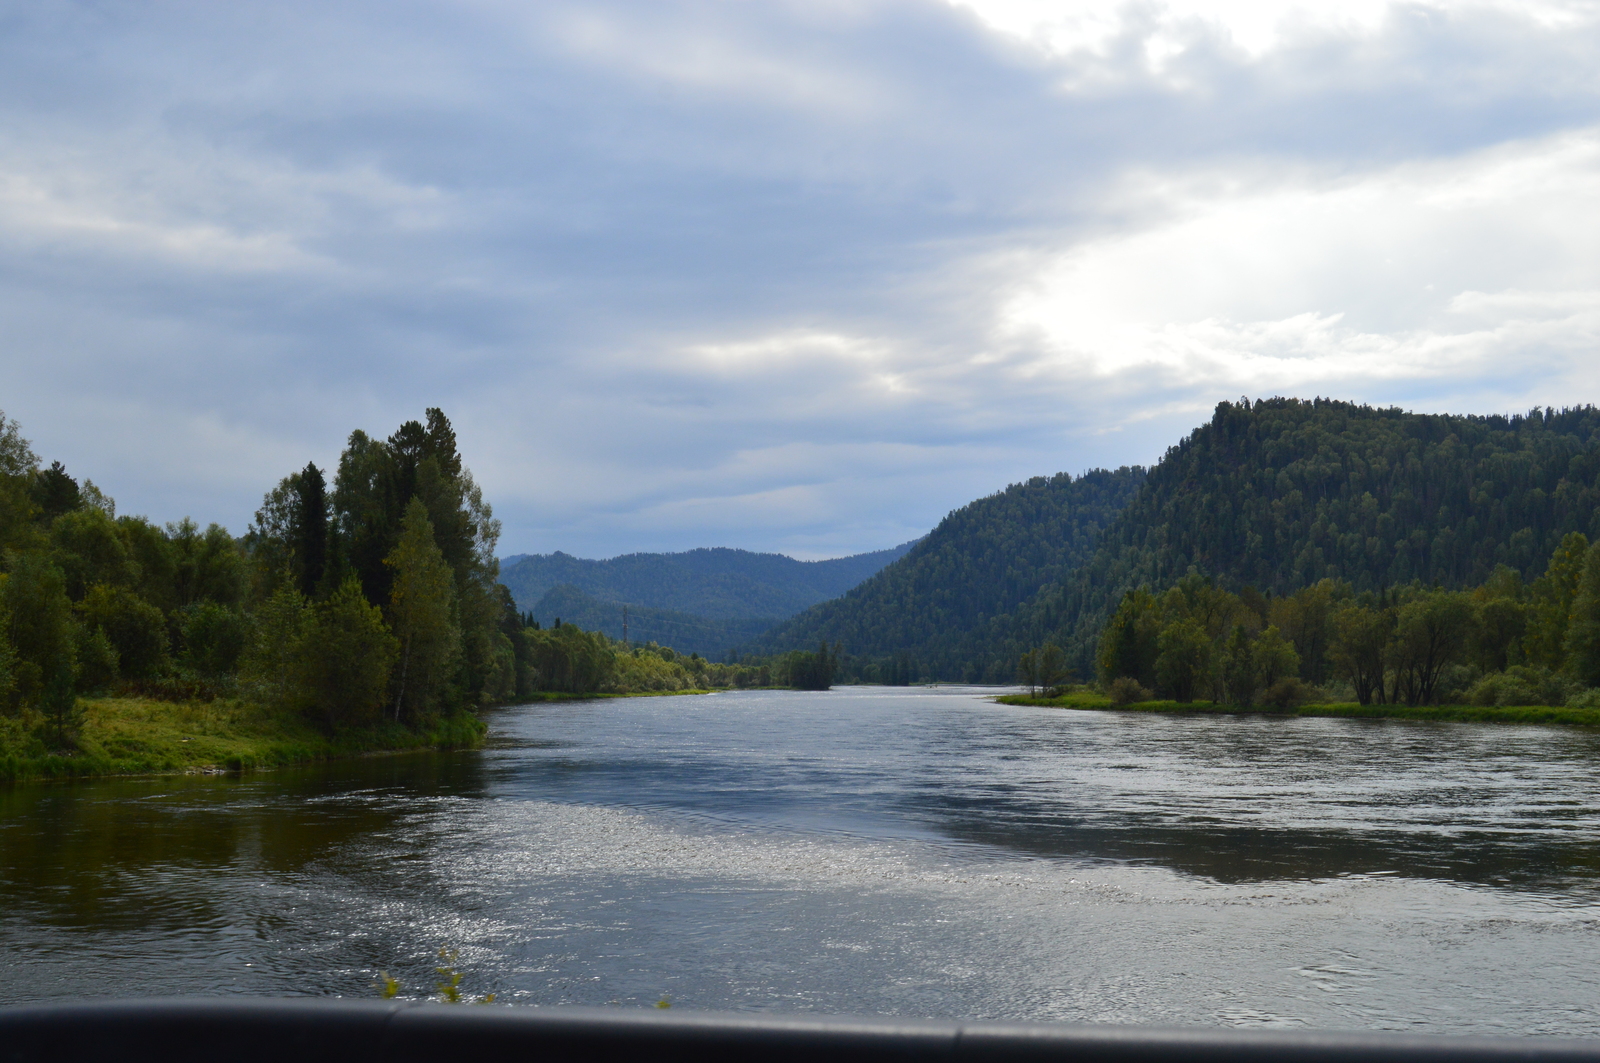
(271, 658)
(1431, 632)
(1130, 644)
(1239, 674)
(1545, 641)
(214, 639)
(421, 612)
(311, 528)
(54, 492)
(1028, 671)
(136, 628)
(1360, 636)
(1276, 657)
(40, 627)
(1583, 630)
(345, 659)
(1052, 666)
(1183, 666)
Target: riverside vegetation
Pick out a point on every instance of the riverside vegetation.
(362, 615)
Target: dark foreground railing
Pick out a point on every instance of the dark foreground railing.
(307, 1031)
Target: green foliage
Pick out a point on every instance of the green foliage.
(569, 659)
(99, 665)
(1280, 494)
(215, 637)
(949, 601)
(422, 614)
(343, 660)
(41, 629)
(1184, 659)
(1522, 685)
(810, 671)
(136, 628)
(1583, 626)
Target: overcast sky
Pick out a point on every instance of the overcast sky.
(794, 277)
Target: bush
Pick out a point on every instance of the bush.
(1585, 699)
(1521, 685)
(1125, 690)
(1288, 693)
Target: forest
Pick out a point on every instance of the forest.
(1280, 494)
(1505, 642)
(371, 599)
(1270, 497)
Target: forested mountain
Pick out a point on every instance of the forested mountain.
(1281, 493)
(945, 609)
(687, 634)
(719, 583)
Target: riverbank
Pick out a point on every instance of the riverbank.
(138, 736)
(1542, 714)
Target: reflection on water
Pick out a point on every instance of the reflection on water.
(880, 851)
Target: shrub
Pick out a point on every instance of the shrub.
(1125, 690)
(1585, 699)
(1521, 685)
(1288, 693)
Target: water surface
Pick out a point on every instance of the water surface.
(869, 850)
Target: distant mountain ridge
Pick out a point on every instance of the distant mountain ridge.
(699, 601)
(684, 632)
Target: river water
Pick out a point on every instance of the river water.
(866, 850)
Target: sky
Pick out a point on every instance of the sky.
(794, 277)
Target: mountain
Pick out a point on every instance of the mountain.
(700, 601)
(719, 583)
(946, 609)
(684, 632)
(1280, 493)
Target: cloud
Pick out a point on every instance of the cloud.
(796, 276)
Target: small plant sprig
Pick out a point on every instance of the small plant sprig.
(448, 986)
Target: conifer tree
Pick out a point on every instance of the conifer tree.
(422, 614)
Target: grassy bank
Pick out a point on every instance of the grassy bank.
(1544, 714)
(135, 736)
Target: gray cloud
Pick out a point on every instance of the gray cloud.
(783, 276)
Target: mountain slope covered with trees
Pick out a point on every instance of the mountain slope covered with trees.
(1279, 494)
(946, 609)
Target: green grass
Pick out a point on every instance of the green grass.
(1542, 714)
(136, 736)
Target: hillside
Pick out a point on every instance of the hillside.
(684, 632)
(1281, 493)
(945, 609)
(719, 584)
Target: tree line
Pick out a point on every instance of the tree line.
(371, 598)
(1506, 641)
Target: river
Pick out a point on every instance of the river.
(865, 850)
